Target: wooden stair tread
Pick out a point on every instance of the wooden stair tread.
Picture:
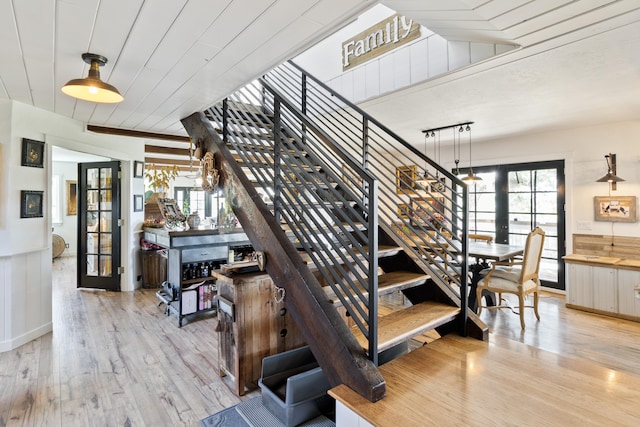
(399, 326)
(387, 283)
(383, 251)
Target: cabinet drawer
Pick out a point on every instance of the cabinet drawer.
(206, 253)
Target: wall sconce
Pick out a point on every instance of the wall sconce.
(92, 88)
(611, 176)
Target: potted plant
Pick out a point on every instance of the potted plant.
(159, 178)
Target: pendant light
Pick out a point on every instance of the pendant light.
(611, 176)
(92, 88)
(471, 178)
(426, 178)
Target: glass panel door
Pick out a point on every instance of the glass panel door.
(511, 200)
(98, 230)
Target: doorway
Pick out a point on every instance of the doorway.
(513, 199)
(99, 225)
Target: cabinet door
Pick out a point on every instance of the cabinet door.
(579, 285)
(627, 302)
(605, 289)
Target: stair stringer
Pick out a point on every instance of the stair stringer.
(332, 343)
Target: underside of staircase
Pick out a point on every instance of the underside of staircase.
(310, 198)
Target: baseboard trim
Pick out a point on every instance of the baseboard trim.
(9, 345)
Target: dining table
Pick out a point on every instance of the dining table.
(485, 253)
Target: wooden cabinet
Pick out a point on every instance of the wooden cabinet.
(607, 288)
(253, 323)
(628, 303)
(579, 285)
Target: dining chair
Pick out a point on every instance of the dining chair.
(487, 238)
(518, 277)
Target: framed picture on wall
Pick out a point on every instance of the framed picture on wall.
(405, 179)
(138, 169)
(31, 204)
(427, 212)
(615, 208)
(72, 197)
(32, 153)
(138, 203)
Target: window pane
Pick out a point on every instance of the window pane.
(486, 202)
(546, 180)
(519, 181)
(519, 202)
(547, 203)
(520, 223)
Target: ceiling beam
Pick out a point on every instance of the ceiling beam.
(178, 162)
(157, 149)
(137, 133)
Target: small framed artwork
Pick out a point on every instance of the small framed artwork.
(439, 186)
(403, 210)
(138, 169)
(405, 178)
(138, 203)
(32, 153)
(170, 210)
(72, 197)
(31, 204)
(427, 211)
(615, 208)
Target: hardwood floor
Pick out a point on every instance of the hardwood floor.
(113, 359)
(116, 359)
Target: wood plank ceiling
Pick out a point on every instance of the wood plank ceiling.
(170, 59)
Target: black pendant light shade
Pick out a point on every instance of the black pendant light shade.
(611, 170)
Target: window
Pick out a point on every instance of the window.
(192, 199)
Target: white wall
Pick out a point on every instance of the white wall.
(25, 243)
(427, 57)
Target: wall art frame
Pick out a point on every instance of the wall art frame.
(31, 204)
(138, 169)
(427, 211)
(405, 179)
(32, 153)
(615, 208)
(138, 203)
(72, 197)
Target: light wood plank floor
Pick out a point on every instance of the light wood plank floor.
(115, 359)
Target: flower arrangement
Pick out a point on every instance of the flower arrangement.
(159, 177)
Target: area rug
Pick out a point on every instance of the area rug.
(252, 413)
(228, 417)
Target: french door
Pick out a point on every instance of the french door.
(513, 199)
(98, 225)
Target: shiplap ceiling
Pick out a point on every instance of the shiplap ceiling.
(172, 58)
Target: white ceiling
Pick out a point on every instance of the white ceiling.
(579, 62)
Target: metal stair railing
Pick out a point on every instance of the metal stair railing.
(324, 199)
(428, 220)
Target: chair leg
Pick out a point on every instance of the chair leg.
(479, 299)
(535, 304)
(521, 299)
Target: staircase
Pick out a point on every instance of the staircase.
(334, 200)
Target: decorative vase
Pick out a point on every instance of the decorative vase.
(193, 220)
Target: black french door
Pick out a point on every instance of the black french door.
(513, 199)
(98, 225)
